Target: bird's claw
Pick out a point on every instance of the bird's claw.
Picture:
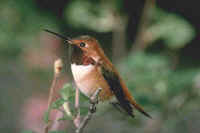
(93, 109)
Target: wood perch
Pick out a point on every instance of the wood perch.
(92, 110)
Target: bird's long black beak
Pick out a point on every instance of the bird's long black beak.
(67, 39)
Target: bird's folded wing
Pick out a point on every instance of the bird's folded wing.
(113, 81)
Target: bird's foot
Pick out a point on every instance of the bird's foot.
(94, 101)
(93, 109)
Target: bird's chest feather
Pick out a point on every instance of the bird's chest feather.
(88, 79)
(81, 72)
(85, 78)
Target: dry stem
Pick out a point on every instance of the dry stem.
(58, 65)
(77, 107)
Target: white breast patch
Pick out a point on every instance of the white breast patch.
(79, 71)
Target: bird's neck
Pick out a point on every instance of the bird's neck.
(80, 58)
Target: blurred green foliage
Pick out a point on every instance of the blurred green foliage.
(172, 28)
(20, 24)
(86, 14)
(152, 78)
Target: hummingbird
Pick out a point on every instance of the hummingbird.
(91, 69)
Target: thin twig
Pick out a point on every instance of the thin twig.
(92, 110)
(58, 65)
(49, 124)
(77, 107)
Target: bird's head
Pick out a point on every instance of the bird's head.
(87, 44)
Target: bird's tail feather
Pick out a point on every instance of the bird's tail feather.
(138, 107)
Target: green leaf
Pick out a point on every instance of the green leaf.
(83, 98)
(67, 92)
(58, 103)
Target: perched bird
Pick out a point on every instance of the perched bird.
(91, 70)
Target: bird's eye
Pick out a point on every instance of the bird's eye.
(82, 44)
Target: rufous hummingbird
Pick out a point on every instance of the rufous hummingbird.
(91, 70)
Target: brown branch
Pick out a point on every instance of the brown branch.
(58, 65)
(92, 110)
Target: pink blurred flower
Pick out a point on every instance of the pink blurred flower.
(32, 114)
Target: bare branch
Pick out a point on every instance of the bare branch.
(92, 110)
